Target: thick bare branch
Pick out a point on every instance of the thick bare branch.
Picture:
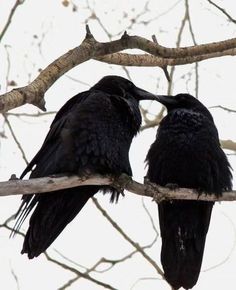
(56, 182)
(151, 60)
(109, 52)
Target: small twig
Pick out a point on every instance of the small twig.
(195, 43)
(230, 18)
(127, 238)
(231, 250)
(178, 41)
(15, 139)
(78, 273)
(228, 144)
(38, 114)
(223, 108)
(69, 283)
(15, 277)
(150, 218)
(165, 67)
(13, 10)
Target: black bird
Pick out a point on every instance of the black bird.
(91, 133)
(186, 153)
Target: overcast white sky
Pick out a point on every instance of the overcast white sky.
(43, 30)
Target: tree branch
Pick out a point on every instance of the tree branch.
(13, 10)
(109, 52)
(230, 18)
(228, 144)
(57, 182)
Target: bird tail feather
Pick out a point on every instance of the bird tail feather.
(184, 226)
(51, 215)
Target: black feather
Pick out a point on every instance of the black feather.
(186, 152)
(91, 133)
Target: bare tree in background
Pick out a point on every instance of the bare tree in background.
(170, 66)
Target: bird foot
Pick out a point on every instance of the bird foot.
(158, 196)
(172, 186)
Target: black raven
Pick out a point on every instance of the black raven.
(90, 134)
(186, 153)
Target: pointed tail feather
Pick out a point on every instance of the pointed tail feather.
(51, 215)
(184, 226)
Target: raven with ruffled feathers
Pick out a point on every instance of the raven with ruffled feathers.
(186, 153)
(90, 134)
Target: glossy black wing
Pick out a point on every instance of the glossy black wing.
(43, 156)
(55, 128)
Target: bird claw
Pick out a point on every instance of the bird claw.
(172, 186)
(84, 175)
(158, 197)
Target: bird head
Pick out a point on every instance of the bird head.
(183, 101)
(123, 87)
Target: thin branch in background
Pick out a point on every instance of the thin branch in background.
(15, 277)
(143, 279)
(178, 42)
(75, 279)
(109, 35)
(150, 218)
(68, 283)
(93, 268)
(195, 43)
(128, 239)
(5, 225)
(152, 123)
(4, 115)
(127, 72)
(8, 66)
(135, 20)
(113, 262)
(9, 19)
(231, 250)
(163, 13)
(78, 273)
(78, 81)
(70, 261)
(165, 67)
(15, 139)
(230, 18)
(38, 114)
(223, 108)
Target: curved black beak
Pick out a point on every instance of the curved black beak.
(141, 95)
(166, 100)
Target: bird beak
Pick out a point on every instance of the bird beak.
(141, 94)
(166, 100)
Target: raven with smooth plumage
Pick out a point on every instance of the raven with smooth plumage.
(186, 153)
(91, 133)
